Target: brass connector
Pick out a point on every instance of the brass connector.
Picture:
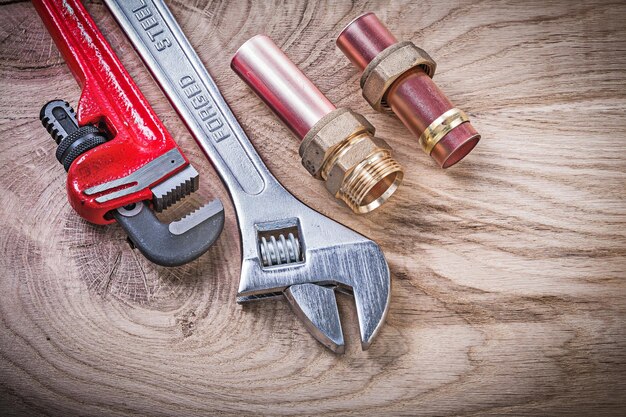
(338, 146)
(397, 78)
(357, 167)
(387, 67)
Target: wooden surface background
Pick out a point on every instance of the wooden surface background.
(508, 270)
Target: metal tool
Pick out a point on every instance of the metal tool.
(287, 248)
(120, 160)
(397, 78)
(338, 145)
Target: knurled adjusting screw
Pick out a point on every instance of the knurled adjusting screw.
(59, 119)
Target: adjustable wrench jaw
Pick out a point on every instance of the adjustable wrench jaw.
(317, 307)
(333, 258)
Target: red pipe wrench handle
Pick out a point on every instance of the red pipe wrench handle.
(111, 100)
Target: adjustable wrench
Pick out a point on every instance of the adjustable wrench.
(120, 160)
(287, 248)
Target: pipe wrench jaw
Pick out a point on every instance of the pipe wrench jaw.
(135, 166)
(165, 244)
(176, 243)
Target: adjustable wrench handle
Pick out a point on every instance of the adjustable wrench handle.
(169, 56)
(110, 99)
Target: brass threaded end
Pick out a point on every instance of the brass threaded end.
(356, 166)
(340, 150)
(371, 182)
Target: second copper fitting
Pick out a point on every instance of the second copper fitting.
(338, 145)
(397, 78)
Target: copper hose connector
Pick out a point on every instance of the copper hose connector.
(397, 78)
(338, 145)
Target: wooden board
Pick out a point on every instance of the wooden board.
(508, 270)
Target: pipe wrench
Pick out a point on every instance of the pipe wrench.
(287, 248)
(120, 160)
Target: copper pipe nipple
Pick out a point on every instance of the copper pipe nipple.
(338, 145)
(397, 78)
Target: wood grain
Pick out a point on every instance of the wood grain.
(508, 270)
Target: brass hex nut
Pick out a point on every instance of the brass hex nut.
(388, 66)
(323, 141)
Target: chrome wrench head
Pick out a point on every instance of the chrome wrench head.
(315, 256)
(292, 250)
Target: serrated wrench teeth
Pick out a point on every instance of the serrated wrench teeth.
(288, 249)
(175, 188)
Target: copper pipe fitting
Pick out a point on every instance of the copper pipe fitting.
(338, 145)
(397, 78)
